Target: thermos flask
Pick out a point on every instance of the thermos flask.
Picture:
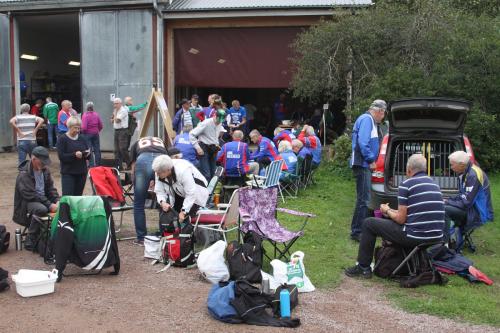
(19, 244)
(285, 303)
(265, 286)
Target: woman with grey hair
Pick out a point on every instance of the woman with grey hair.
(73, 153)
(91, 127)
(179, 184)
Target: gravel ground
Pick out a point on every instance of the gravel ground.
(139, 299)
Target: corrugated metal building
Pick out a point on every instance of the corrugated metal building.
(126, 47)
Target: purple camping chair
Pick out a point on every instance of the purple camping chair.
(258, 214)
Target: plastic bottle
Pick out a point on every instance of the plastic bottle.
(285, 303)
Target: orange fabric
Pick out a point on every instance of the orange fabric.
(106, 183)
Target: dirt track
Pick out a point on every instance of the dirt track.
(140, 300)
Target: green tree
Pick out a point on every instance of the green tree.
(403, 49)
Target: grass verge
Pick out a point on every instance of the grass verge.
(329, 250)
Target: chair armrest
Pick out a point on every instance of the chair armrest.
(224, 206)
(294, 212)
(211, 212)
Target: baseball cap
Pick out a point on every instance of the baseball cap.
(379, 104)
(42, 154)
(184, 101)
(195, 96)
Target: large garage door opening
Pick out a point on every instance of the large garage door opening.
(49, 50)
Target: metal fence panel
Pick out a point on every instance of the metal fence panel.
(6, 138)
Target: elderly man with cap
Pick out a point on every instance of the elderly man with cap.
(205, 139)
(186, 116)
(365, 148)
(35, 195)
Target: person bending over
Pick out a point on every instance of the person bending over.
(180, 185)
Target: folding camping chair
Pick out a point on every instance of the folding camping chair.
(222, 220)
(106, 181)
(270, 179)
(306, 172)
(291, 182)
(413, 258)
(258, 214)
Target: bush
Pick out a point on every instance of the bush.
(342, 154)
(482, 129)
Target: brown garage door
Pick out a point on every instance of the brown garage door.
(234, 57)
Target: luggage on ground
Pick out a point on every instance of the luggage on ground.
(245, 260)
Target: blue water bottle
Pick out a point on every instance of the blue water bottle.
(285, 303)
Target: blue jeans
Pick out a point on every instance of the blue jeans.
(24, 147)
(363, 183)
(52, 135)
(207, 165)
(94, 145)
(142, 176)
(73, 184)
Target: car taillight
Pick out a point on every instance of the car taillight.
(468, 149)
(378, 173)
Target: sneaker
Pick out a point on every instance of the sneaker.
(356, 237)
(358, 271)
(138, 242)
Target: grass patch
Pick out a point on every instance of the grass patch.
(329, 250)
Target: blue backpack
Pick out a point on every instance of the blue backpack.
(219, 305)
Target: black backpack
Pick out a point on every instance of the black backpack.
(4, 239)
(387, 259)
(294, 297)
(245, 260)
(254, 307)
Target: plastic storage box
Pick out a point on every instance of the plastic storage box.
(33, 283)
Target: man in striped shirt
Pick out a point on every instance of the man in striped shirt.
(418, 219)
(25, 125)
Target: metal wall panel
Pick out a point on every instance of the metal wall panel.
(6, 138)
(117, 59)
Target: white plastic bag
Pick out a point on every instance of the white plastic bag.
(296, 273)
(152, 248)
(292, 273)
(211, 263)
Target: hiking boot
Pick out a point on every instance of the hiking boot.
(356, 237)
(358, 271)
(29, 244)
(138, 242)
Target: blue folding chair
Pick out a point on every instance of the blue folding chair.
(270, 179)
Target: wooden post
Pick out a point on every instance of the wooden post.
(156, 103)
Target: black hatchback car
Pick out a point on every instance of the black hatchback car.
(431, 126)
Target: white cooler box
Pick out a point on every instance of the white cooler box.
(33, 283)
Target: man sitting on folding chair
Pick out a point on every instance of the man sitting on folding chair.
(472, 206)
(419, 218)
(266, 151)
(234, 158)
(35, 195)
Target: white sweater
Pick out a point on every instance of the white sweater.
(187, 182)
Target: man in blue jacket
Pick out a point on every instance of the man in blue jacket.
(365, 148)
(266, 151)
(234, 158)
(472, 206)
(185, 146)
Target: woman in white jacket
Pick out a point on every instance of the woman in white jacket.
(178, 179)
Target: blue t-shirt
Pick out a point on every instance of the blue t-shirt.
(425, 207)
(182, 143)
(237, 115)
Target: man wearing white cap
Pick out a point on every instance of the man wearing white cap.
(365, 148)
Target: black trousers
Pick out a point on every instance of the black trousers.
(455, 214)
(385, 228)
(121, 146)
